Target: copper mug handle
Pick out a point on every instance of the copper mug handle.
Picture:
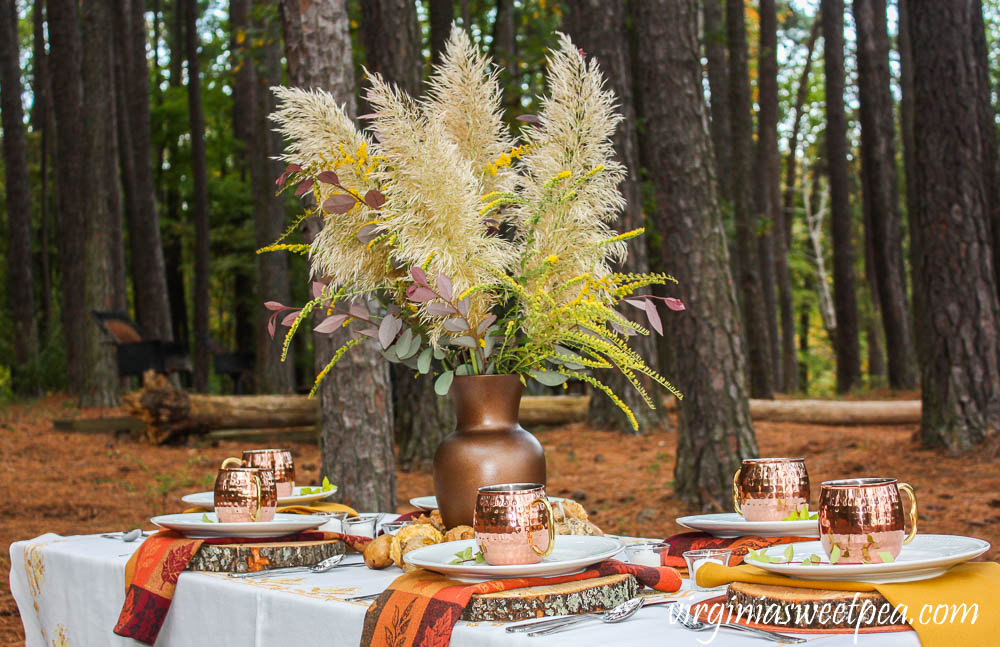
(226, 463)
(552, 529)
(736, 491)
(232, 461)
(906, 487)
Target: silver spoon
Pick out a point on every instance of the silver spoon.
(322, 567)
(617, 614)
(131, 535)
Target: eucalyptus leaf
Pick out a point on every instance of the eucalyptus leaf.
(455, 324)
(835, 555)
(789, 553)
(463, 340)
(424, 361)
(443, 384)
(464, 369)
(205, 519)
(491, 342)
(548, 378)
(886, 557)
(438, 353)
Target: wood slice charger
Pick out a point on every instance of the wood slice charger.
(246, 558)
(798, 610)
(585, 596)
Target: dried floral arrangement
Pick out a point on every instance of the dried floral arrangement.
(457, 248)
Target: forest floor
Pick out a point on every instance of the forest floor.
(73, 483)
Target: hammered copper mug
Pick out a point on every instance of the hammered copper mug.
(511, 521)
(278, 460)
(770, 489)
(863, 518)
(244, 493)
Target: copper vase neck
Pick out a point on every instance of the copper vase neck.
(486, 402)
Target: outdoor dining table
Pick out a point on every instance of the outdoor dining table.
(70, 590)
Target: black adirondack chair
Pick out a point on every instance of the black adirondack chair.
(136, 354)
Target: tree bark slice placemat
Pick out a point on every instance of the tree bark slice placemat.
(797, 610)
(243, 558)
(585, 596)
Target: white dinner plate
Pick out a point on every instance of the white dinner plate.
(191, 524)
(571, 553)
(207, 499)
(925, 557)
(731, 524)
(431, 502)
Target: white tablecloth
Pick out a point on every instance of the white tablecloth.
(70, 591)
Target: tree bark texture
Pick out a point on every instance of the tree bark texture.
(503, 49)
(100, 197)
(755, 319)
(440, 13)
(67, 102)
(984, 104)
(773, 247)
(20, 282)
(708, 365)
(200, 206)
(587, 596)
(714, 36)
(173, 236)
(43, 121)
(881, 200)
(598, 27)
(149, 277)
(791, 167)
(392, 41)
(355, 398)
(845, 300)
(957, 319)
(256, 43)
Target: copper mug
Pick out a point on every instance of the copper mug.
(770, 489)
(244, 493)
(863, 518)
(278, 460)
(511, 521)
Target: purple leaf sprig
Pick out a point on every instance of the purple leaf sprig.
(647, 303)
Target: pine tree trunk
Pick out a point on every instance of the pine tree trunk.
(503, 50)
(957, 316)
(715, 428)
(441, 13)
(259, 67)
(421, 418)
(200, 207)
(355, 399)
(789, 200)
(43, 121)
(101, 249)
(598, 27)
(878, 163)
(755, 308)
(67, 102)
(844, 296)
(714, 36)
(984, 96)
(174, 238)
(20, 284)
(773, 255)
(149, 278)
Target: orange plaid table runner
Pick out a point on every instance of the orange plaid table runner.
(686, 541)
(420, 609)
(152, 571)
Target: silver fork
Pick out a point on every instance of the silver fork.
(694, 624)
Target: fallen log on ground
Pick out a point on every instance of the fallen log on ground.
(169, 411)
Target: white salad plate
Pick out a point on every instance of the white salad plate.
(191, 524)
(925, 557)
(731, 524)
(207, 499)
(431, 502)
(572, 553)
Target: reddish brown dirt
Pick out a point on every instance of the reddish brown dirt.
(71, 483)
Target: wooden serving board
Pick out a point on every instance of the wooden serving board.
(243, 558)
(584, 596)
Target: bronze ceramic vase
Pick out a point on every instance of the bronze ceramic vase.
(487, 447)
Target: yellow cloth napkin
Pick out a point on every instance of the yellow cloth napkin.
(972, 583)
(312, 508)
